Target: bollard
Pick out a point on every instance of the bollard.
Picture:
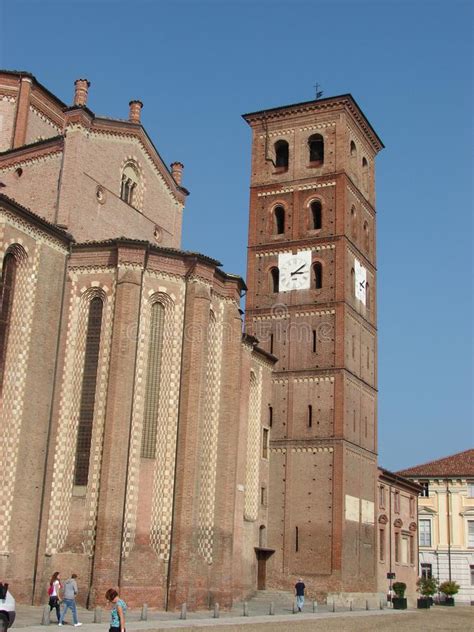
(381, 605)
(144, 613)
(246, 609)
(272, 608)
(334, 606)
(350, 606)
(45, 617)
(295, 609)
(98, 615)
(216, 610)
(183, 611)
(315, 606)
(366, 604)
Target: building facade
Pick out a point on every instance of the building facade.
(150, 444)
(446, 520)
(312, 302)
(397, 538)
(135, 452)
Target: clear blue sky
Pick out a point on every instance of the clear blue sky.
(197, 66)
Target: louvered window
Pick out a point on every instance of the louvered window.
(152, 389)
(7, 289)
(89, 385)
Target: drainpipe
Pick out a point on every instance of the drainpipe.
(448, 496)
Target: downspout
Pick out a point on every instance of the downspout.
(390, 537)
(448, 495)
(168, 570)
(48, 437)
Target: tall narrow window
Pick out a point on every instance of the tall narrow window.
(316, 149)
(7, 291)
(353, 283)
(366, 237)
(318, 275)
(365, 173)
(282, 154)
(279, 217)
(275, 280)
(89, 385)
(265, 439)
(353, 221)
(310, 416)
(397, 502)
(382, 545)
(353, 148)
(353, 346)
(412, 550)
(315, 340)
(426, 571)
(297, 543)
(382, 496)
(316, 215)
(271, 343)
(425, 489)
(354, 421)
(470, 534)
(424, 527)
(262, 536)
(270, 416)
(152, 390)
(397, 546)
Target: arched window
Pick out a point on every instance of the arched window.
(367, 295)
(279, 216)
(316, 215)
(275, 279)
(316, 149)
(7, 291)
(366, 237)
(353, 148)
(365, 173)
(262, 537)
(152, 390)
(89, 385)
(282, 154)
(353, 283)
(129, 185)
(318, 275)
(353, 221)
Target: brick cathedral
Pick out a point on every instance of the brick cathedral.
(148, 443)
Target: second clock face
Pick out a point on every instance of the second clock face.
(295, 270)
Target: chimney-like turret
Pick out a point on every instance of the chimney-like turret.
(81, 91)
(177, 171)
(135, 111)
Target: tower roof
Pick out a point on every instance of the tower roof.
(343, 100)
(460, 464)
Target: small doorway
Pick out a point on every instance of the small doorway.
(262, 554)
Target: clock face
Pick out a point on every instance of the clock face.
(360, 281)
(295, 270)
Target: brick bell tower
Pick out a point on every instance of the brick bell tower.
(312, 303)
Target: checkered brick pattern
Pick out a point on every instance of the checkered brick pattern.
(13, 394)
(167, 420)
(64, 457)
(253, 447)
(209, 434)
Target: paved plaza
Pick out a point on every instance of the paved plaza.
(437, 618)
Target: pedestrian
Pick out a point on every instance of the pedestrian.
(299, 591)
(69, 599)
(54, 593)
(117, 614)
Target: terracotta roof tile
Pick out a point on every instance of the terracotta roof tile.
(460, 464)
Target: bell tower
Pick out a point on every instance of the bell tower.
(312, 303)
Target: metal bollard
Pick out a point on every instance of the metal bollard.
(246, 609)
(98, 615)
(381, 604)
(350, 606)
(45, 617)
(295, 609)
(144, 613)
(216, 610)
(334, 606)
(366, 604)
(184, 611)
(272, 608)
(315, 606)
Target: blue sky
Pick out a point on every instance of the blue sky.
(197, 66)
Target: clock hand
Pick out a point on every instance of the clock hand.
(298, 271)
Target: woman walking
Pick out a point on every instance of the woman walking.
(117, 614)
(53, 593)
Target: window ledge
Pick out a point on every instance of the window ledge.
(315, 164)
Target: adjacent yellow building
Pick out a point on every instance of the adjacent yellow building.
(446, 520)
